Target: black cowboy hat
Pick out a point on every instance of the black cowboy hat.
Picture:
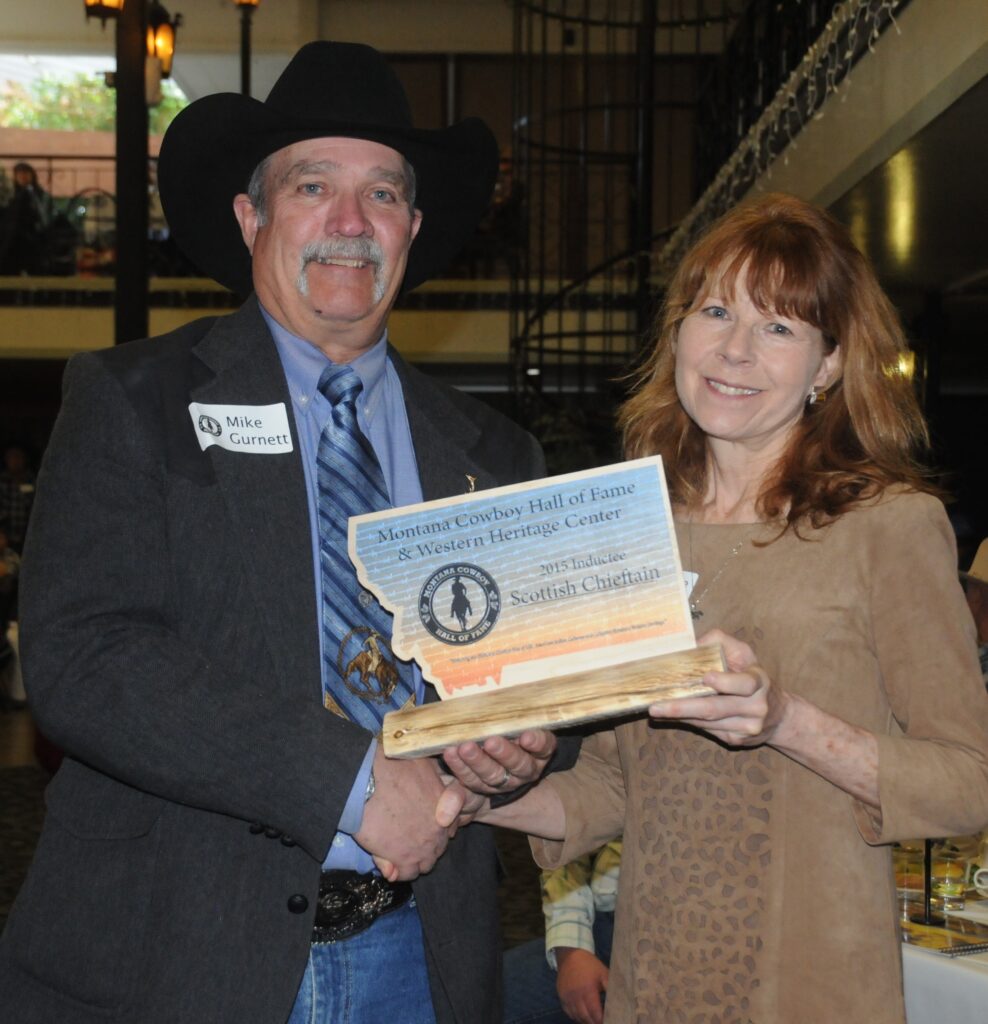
(327, 89)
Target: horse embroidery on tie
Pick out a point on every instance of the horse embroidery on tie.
(373, 663)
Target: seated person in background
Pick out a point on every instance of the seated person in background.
(578, 902)
(976, 588)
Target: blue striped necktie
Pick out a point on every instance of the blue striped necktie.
(362, 679)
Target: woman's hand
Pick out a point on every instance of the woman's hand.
(747, 708)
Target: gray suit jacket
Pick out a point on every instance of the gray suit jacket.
(170, 648)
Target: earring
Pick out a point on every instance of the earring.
(813, 395)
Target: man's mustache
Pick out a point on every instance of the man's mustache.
(367, 250)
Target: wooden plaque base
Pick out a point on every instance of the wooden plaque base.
(550, 704)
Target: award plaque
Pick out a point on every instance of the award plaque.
(540, 604)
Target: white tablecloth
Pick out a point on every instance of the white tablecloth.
(945, 990)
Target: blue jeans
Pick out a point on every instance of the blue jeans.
(530, 983)
(375, 977)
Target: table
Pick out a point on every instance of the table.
(944, 990)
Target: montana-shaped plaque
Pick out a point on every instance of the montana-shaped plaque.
(541, 604)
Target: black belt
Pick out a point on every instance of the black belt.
(350, 903)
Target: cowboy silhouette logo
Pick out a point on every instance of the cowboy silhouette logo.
(459, 603)
(366, 665)
(460, 608)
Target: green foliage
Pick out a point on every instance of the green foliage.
(80, 104)
(172, 101)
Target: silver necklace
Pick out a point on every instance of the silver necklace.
(695, 601)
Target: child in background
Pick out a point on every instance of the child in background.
(565, 978)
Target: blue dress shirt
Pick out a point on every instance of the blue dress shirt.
(384, 421)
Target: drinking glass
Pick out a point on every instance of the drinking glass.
(907, 862)
(948, 878)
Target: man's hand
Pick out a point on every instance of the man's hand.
(581, 982)
(399, 827)
(458, 806)
(499, 765)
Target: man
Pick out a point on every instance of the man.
(188, 615)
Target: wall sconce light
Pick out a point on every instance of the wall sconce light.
(103, 9)
(161, 36)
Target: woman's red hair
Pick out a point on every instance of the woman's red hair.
(869, 433)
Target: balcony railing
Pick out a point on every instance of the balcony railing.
(780, 66)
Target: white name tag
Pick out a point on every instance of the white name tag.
(255, 429)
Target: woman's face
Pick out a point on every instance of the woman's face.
(744, 375)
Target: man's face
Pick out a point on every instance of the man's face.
(330, 253)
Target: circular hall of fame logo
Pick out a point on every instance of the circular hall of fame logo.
(209, 426)
(459, 603)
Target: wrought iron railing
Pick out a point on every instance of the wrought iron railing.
(604, 97)
(586, 153)
(782, 63)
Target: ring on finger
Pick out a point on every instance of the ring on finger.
(503, 781)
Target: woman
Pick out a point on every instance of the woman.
(756, 882)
